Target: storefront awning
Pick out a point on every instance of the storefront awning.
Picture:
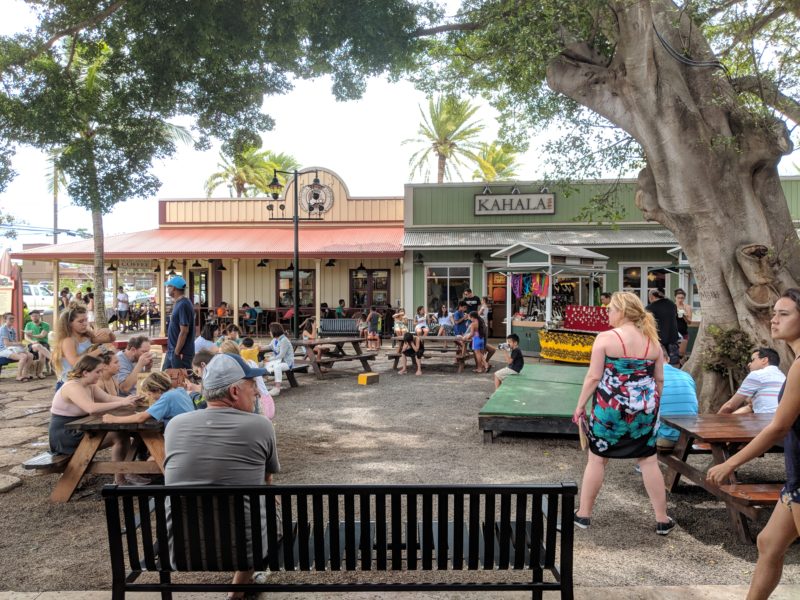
(501, 238)
(233, 242)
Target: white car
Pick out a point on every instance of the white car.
(37, 297)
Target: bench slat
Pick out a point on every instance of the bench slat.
(319, 549)
(333, 544)
(459, 541)
(381, 538)
(753, 494)
(444, 538)
(47, 460)
(365, 540)
(411, 532)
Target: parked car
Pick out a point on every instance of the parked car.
(36, 297)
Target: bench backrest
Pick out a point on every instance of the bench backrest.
(337, 326)
(343, 528)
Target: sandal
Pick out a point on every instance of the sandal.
(23, 379)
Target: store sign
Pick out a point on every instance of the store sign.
(135, 264)
(515, 204)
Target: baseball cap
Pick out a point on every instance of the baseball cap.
(176, 282)
(226, 369)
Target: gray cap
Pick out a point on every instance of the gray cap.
(226, 369)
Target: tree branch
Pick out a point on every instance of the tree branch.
(69, 31)
(422, 32)
(770, 94)
(756, 27)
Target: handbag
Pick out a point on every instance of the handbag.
(583, 428)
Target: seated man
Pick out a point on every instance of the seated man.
(226, 444)
(679, 397)
(11, 348)
(36, 332)
(134, 360)
(514, 359)
(759, 390)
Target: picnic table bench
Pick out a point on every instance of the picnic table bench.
(724, 434)
(318, 529)
(437, 347)
(336, 354)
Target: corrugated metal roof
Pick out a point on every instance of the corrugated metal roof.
(236, 242)
(502, 238)
(549, 250)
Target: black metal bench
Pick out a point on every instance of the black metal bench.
(336, 327)
(316, 529)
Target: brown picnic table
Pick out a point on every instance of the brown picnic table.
(724, 434)
(150, 433)
(333, 355)
(439, 346)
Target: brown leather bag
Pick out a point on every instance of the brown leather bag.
(177, 376)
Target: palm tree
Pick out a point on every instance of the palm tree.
(496, 162)
(447, 133)
(250, 171)
(56, 182)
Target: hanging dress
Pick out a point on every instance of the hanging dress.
(624, 417)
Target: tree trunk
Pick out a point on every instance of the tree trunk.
(99, 270)
(711, 176)
(441, 163)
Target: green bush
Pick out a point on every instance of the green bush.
(729, 353)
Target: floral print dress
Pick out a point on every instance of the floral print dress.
(624, 417)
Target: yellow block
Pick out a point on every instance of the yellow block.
(367, 378)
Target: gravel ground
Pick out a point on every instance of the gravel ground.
(406, 429)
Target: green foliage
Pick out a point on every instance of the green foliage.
(68, 283)
(729, 353)
(7, 222)
(496, 162)
(446, 135)
(250, 171)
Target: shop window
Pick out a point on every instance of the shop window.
(445, 286)
(369, 287)
(639, 279)
(285, 288)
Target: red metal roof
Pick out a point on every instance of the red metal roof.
(233, 242)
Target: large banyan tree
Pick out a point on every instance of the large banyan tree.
(699, 93)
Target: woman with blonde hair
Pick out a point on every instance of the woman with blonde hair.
(78, 398)
(73, 338)
(624, 382)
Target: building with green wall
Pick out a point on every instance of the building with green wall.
(452, 230)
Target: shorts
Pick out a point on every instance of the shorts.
(8, 352)
(174, 362)
(411, 353)
(63, 440)
(789, 497)
(505, 372)
(478, 344)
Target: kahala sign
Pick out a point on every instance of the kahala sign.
(515, 204)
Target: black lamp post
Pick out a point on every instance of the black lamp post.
(275, 188)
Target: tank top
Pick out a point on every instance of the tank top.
(67, 409)
(791, 451)
(66, 367)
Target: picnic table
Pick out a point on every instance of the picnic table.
(334, 355)
(150, 433)
(724, 434)
(157, 341)
(440, 346)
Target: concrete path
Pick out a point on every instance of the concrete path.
(690, 592)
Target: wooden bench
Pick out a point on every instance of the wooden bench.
(47, 462)
(337, 327)
(301, 368)
(435, 352)
(453, 530)
(753, 494)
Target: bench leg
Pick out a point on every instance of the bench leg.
(680, 452)
(76, 468)
(154, 440)
(291, 378)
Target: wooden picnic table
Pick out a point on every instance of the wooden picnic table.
(441, 345)
(156, 341)
(725, 434)
(150, 433)
(337, 354)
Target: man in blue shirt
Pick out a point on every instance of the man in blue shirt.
(679, 397)
(460, 319)
(180, 333)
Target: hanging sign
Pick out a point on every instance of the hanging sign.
(515, 204)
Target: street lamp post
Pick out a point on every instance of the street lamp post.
(275, 188)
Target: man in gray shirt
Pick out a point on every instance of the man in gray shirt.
(227, 443)
(135, 359)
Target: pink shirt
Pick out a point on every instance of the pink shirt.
(67, 409)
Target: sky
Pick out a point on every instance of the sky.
(361, 141)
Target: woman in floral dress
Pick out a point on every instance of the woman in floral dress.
(625, 377)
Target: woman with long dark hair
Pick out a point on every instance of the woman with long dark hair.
(783, 527)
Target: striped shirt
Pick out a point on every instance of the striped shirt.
(679, 397)
(762, 387)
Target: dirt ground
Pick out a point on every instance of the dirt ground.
(405, 429)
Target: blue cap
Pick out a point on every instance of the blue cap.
(226, 369)
(176, 282)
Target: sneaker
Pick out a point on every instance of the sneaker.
(583, 522)
(638, 469)
(274, 391)
(665, 528)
